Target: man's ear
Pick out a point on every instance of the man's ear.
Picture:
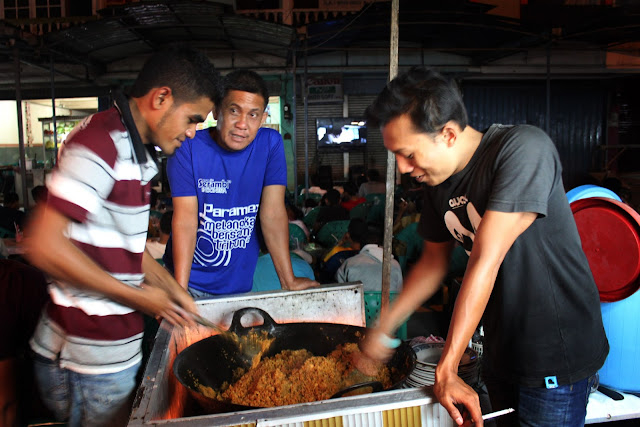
(450, 133)
(162, 97)
(264, 117)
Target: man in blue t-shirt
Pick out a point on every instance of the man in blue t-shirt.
(223, 182)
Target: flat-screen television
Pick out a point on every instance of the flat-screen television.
(341, 133)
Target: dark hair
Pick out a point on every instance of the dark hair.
(373, 175)
(188, 73)
(245, 81)
(165, 222)
(297, 212)
(310, 203)
(11, 198)
(350, 188)
(332, 196)
(153, 199)
(374, 236)
(429, 98)
(358, 230)
(39, 193)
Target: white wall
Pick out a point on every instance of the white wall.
(9, 121)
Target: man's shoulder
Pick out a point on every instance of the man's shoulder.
(269, 135)
(97, 133)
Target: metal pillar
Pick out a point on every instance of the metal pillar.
(23, 169)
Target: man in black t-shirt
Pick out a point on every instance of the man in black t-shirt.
(499, 194)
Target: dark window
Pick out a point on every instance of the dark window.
(257, 4)
(306, 4)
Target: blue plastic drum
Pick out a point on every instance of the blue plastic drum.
(621, 370)
(590, 190)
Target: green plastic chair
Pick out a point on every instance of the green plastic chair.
(375, 198)
(310, 218)
(332, 232)
(4, 233)
(359, 211)
(297, 238)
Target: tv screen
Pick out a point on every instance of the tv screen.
(341, 133)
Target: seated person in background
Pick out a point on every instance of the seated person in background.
(408, 213)
(350, 198)
(295, 216)
(265, 277)
(314, 188)
(23, 294)
(375, 185)
(309, 204)
(39, 193)
(347, 247)
(10, 213)
(157, 247)
(366, 266)
(330, 211)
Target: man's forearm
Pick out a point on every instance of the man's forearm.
(421, 284)
(276, 236)
(155, 275)
(184, 243)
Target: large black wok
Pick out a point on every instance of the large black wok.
(212, 361)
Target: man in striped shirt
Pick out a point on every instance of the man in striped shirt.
(91, 239)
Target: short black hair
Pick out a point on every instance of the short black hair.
(165, 222)
(358, 230)
(39, 193)
(429, 98)
(350, 188)
(245, 81)
(332, 196)
(188, 72)
(373, 175)
(10, 198)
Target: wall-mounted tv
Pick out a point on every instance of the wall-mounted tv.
(341, 133)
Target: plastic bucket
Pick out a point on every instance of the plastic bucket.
(590, 190)
(621, 370)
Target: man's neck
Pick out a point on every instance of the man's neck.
(469, 141)
(139, 119)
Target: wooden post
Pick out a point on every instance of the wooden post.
(391, 172)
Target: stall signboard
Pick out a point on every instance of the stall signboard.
(325, 88)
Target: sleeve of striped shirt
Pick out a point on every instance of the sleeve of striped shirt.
(83, 178)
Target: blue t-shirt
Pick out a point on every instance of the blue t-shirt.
(265, 277)
(229, 186)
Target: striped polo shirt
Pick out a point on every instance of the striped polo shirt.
(98, 185)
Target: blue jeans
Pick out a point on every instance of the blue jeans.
(197, 294)
(86, 400)
(565, 405)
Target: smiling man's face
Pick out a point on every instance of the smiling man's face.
(427, 158)
(239, 118)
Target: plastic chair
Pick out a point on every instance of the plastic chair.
(375, 198)
(310, 218)
(332, 232)
(372, 305)
(4, 233)
(296, 236)
(359, 211)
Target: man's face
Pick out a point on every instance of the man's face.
(239, 118)
(178, 123)
(426, 158)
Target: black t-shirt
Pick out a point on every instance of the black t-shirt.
(543, 317)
